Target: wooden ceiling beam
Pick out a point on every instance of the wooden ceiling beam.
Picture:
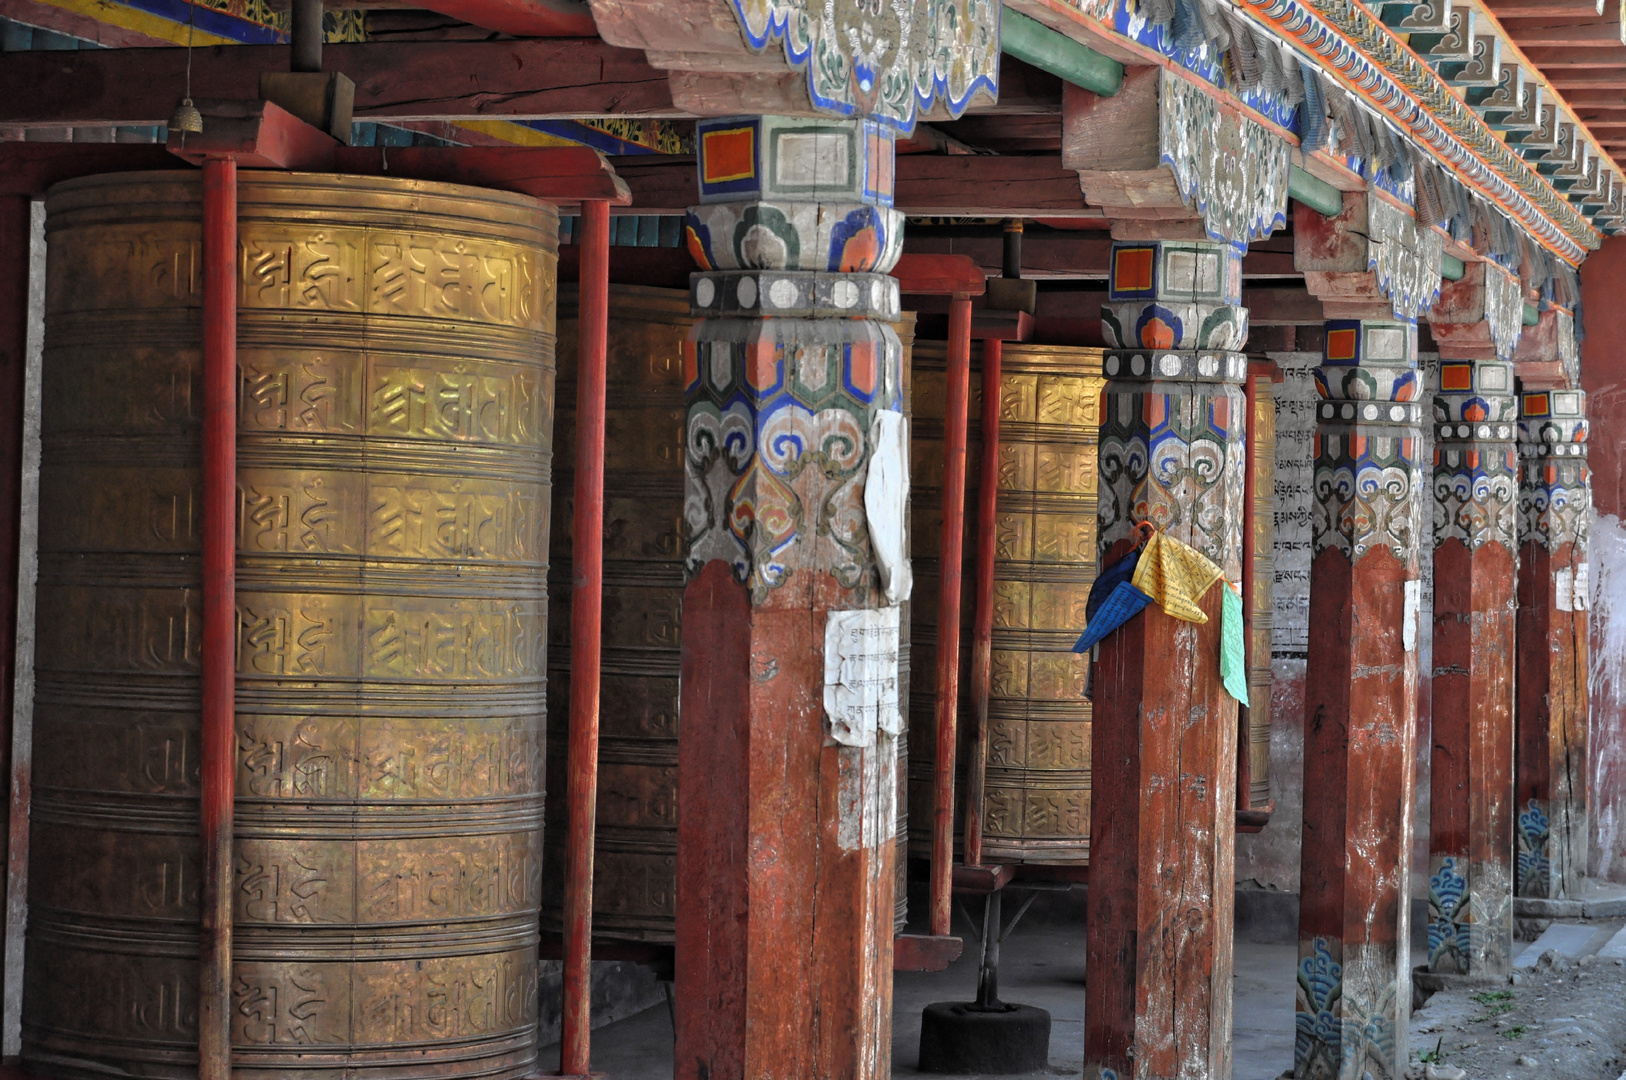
(1536, 33)
(1599, 79)
(1550, 60)
(436, 80)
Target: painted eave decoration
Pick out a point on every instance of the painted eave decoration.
(883, 60)
(1423, 97)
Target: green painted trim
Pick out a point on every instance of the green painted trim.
(1452, 268)
(1531, 315)
(1317, 194)
(1032, 42)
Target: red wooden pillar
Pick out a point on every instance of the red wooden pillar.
(586, 618)
(796, 466)
(950, 566)
(1475, 511)
(1552, 762)
(219, 651)
(1163, 816)
(1354, 982)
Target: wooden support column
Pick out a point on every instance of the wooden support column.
(1360, 712)
(1162, 821)
(1555, 500)
(1353, 999)
(1475, 511)
(796, 465)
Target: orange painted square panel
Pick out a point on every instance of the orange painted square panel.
(1343, 344)
(1132, 269)
(729, 154)
(1456, 376)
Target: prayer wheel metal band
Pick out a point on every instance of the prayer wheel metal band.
(1037, 804)
(395, 417)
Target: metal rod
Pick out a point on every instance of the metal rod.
(992, 935)
(586, 618)
(219, 653)
(305, 36)
(15, 235)
(948, 609)
(982, 629)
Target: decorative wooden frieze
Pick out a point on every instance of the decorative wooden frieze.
(1230, 170)
(1405, 258)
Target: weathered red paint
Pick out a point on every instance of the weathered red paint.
(1359, 725)
(982, 629)
(1551, 756)
(948, 611)
(1471, 770)
(1603, 377)
(586, 630)
(219, 647)
(784, 936)
(1162, 840)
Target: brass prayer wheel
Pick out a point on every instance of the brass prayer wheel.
(635, 845)
(1036, 807)
(395, 353)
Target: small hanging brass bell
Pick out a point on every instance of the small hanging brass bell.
(186, 118)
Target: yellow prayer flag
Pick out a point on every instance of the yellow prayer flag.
(1176, 575)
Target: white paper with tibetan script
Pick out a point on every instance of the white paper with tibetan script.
(861, 675)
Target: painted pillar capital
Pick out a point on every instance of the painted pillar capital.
(1366, 443)
(796, 450)
(1476, 465)
(1555, 494)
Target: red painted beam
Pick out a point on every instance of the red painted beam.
(586, 630)
(954, 275)
(948, 610)
(219, 652)
(27, 169)
(557, 174)
(982, 629)
(255, 135)
(923, 952)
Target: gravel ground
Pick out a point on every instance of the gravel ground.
(1563, 1018)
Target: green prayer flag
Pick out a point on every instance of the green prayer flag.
(1233, 654)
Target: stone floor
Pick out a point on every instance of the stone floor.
(1043, 965)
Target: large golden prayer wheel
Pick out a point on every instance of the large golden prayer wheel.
(635, 846)
(1036, 807)
(395, 347)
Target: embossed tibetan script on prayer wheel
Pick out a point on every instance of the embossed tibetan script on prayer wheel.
(635, 849)
(395, 346)
(1037, 804)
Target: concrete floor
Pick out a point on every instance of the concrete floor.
(1042, 964)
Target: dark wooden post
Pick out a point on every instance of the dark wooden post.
(1163, 815)
(1552, 771)
(796, 466)
(1475, 512)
